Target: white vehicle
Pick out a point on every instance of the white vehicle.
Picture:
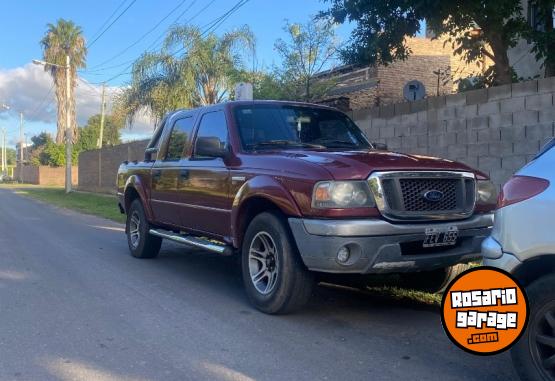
(523, 243)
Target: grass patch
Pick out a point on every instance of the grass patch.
(89, 203)
(408, 295)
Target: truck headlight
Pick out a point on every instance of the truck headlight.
(342, 194)
(486, 192)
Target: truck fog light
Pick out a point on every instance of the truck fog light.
(343, 254)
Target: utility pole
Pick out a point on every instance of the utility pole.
(20, 147)
(21, 137)
(69, 132)
(4, 159)
(102, 111)
(26, 156)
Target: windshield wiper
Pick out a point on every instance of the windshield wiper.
(286, 143)
(337, 143)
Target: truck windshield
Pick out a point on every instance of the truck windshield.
(289, 126)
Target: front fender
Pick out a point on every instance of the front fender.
(260, 187)
(134, 183)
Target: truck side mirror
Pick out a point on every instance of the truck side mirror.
(151, 154)
(210, 147)
(380, 146)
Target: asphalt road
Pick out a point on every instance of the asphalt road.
(75, 306)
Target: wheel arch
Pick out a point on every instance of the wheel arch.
(260, 194)
(535, 268)
(134, 189)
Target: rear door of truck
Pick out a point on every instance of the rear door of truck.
(168, 172)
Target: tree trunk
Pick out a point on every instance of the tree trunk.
(503, 70)
(60, 83)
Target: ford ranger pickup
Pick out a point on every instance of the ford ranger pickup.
(297, 190)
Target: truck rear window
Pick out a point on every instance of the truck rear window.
(289, 126)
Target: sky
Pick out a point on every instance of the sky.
(26, 88)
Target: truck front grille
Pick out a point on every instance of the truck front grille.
(405, 195)
(412, 191)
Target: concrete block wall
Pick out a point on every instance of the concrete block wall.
(496, 130)
(98, 168)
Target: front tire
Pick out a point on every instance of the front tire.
(276, 281)
(141, 243)
(534, 354)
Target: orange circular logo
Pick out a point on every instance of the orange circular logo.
(484, 311)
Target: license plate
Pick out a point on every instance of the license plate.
(436, 237)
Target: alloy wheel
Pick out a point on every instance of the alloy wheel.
(263, 263)
(543, 341)
(134, 230)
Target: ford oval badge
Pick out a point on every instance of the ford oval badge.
(433, 195)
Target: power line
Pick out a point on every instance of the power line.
(140, 39)
(216, 23)
(112, 23)
(39, 107)
(108, 19)
(88, 85)
(155, 42)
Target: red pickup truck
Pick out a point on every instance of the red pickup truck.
(297, 190)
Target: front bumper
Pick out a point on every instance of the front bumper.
(494, 256)
(378, 246)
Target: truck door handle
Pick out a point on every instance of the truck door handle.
(156, 174)
(184, 174)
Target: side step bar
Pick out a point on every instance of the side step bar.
(193, 241)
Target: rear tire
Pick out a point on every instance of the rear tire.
(275, 278)
(435, 281)
(141, 243)
(528, 354)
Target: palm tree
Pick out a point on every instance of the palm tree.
(61, 39)
(203, 74)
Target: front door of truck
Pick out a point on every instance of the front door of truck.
(168, 171)
(205, 194)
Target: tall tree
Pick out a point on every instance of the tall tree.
(477, 28)
(309, 49)
(190, 70)
(10, 156)
(60, 40)
(90, 133)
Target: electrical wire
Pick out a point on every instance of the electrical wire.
(214, 24)
(108, 19)
(140, 39)
(40, 105)
(112, 23)
(156, 41)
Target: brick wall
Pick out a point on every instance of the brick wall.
(441, 47)
(98, 168)
(44, 175)
(392, 78)
(496, 130)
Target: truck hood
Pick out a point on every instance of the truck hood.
(346, 165)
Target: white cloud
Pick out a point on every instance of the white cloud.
(29, 89)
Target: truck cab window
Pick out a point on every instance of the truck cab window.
(213, 125)
(179, 138)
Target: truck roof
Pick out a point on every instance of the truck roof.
(256, 102)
